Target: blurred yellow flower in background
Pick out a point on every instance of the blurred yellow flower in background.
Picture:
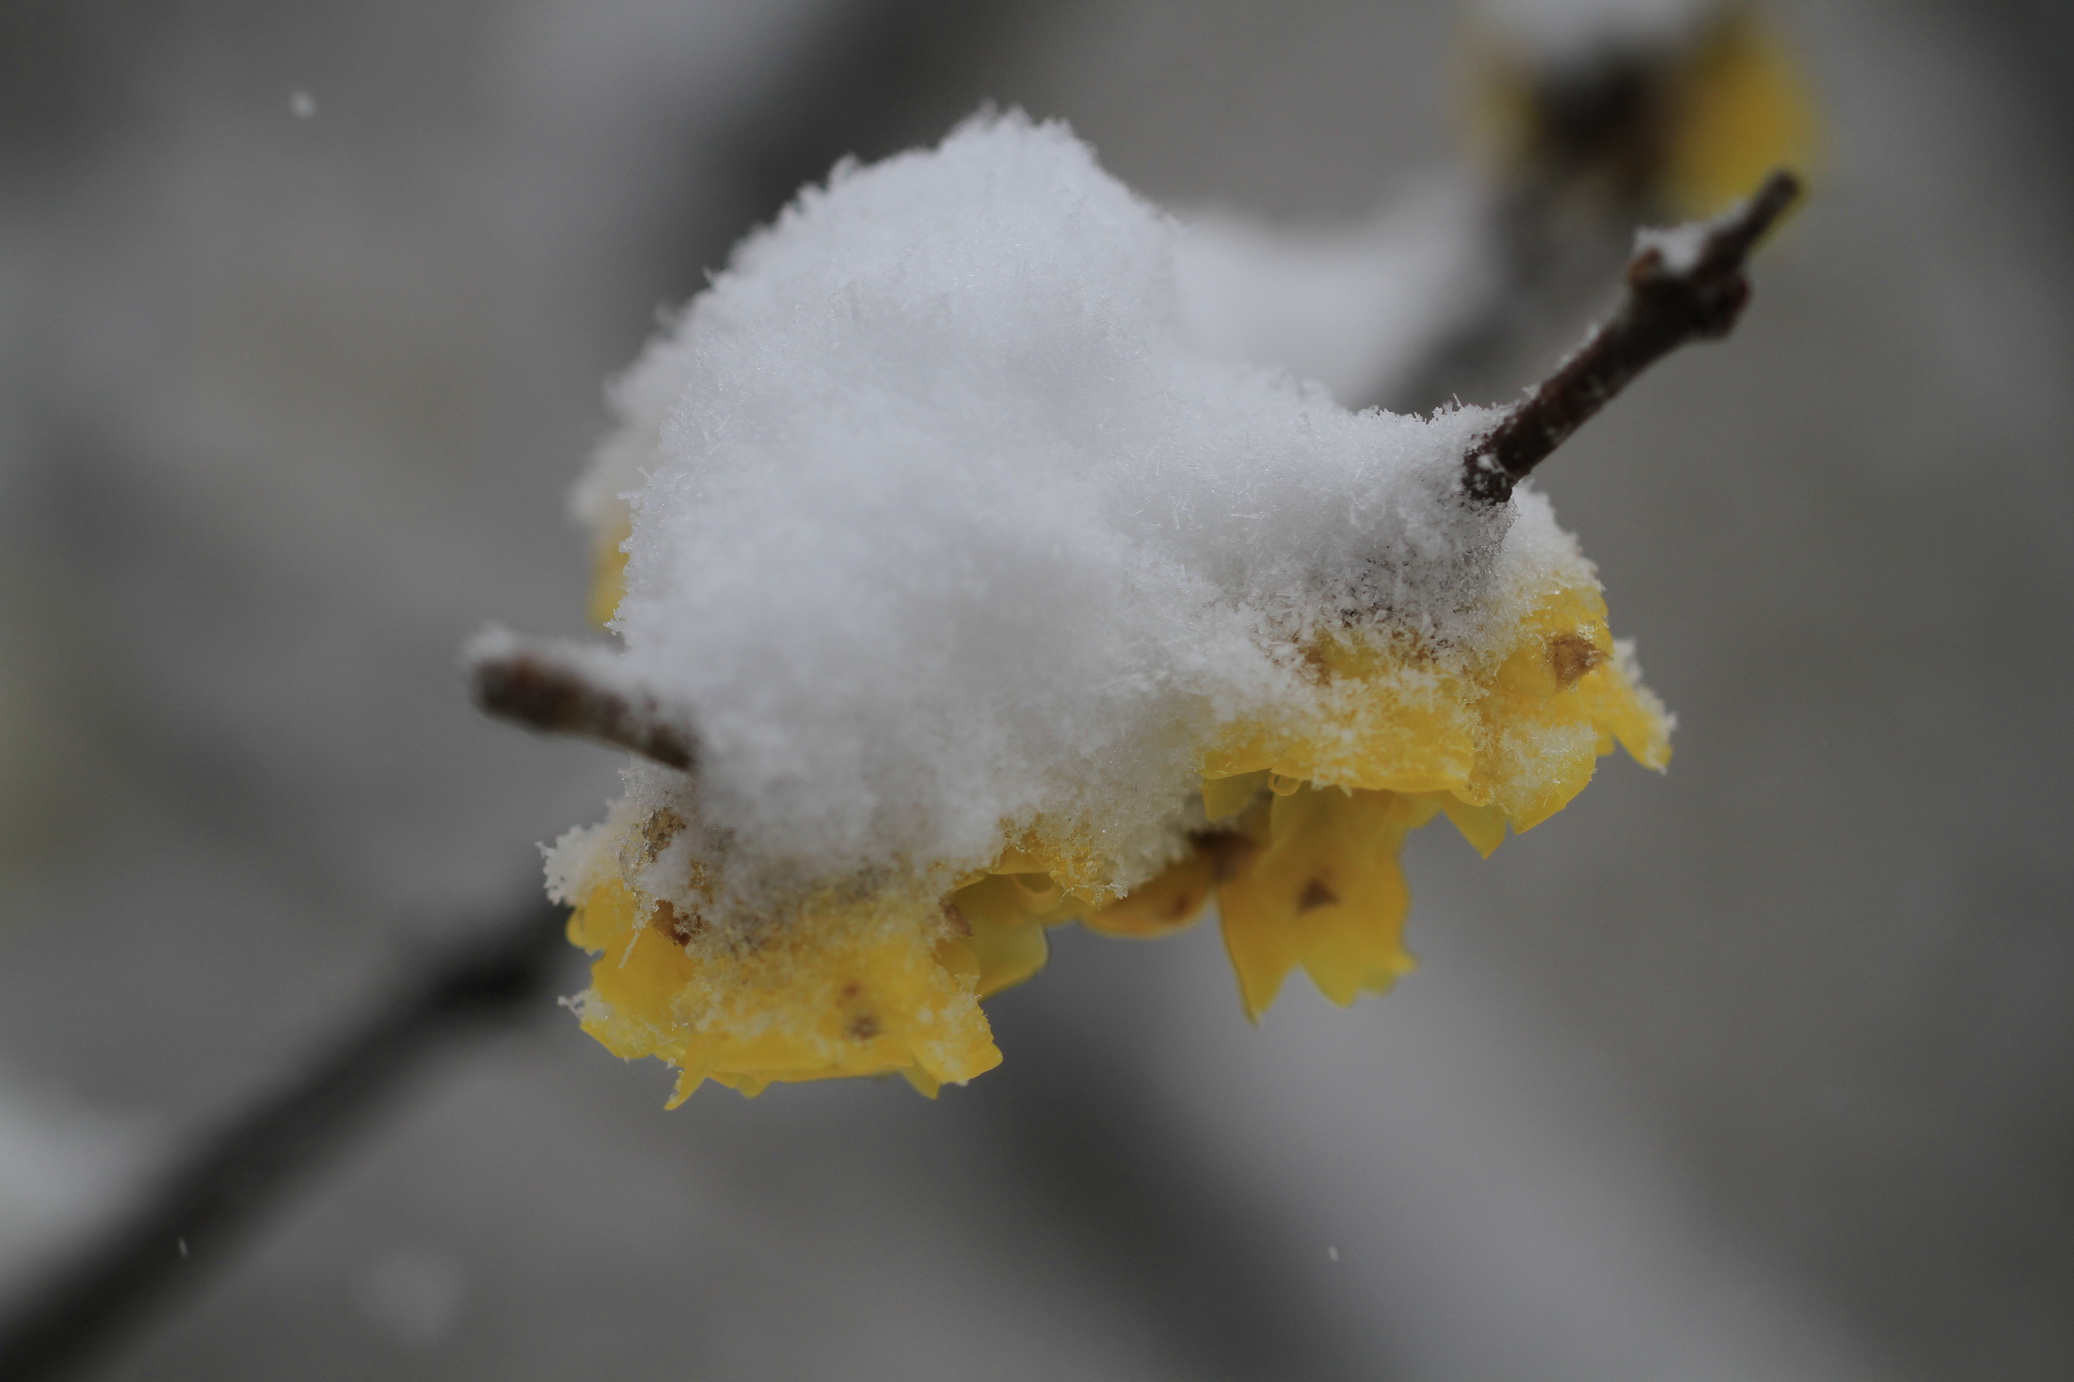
(1683, 120)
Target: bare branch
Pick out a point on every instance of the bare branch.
(566, 688)
(1682, 285)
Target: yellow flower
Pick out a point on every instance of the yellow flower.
(1303, 819)
(1743, 108)
(1690, 122)
(852, 987)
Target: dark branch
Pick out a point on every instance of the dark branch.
(232, 1179)
(1678, 290)
(559, 689)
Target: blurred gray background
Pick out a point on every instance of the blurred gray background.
(1757, 1071)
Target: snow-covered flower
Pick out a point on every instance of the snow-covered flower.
(998, 597)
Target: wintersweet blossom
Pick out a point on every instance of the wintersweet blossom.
(998, 599)
(1684, 104)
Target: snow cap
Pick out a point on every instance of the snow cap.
(944, 520)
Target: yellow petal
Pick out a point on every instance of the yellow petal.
(1173, 900)
(1555, 704)
(1326, 893)
(1259, 941)
(1741, 108)
(1009, 946)
(608, 576)
(924, 1084)
(1225, 797)
(843, 989)
(1482, 826)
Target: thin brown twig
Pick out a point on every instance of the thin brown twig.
(548, 687)
(1665, 304)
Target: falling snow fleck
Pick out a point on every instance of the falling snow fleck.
(302, 105)
(1332, 1254)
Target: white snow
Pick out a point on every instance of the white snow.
(945, 519)
(1679, 246)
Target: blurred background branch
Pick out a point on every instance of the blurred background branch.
(202, 1208)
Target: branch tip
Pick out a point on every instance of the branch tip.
(1682, 284)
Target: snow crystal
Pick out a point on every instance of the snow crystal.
(946, 517)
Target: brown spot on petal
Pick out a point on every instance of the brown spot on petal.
(674, 924)
(961, 925)
(1571, 655)
(852, 989)
(1316, 894)
(864, 1027)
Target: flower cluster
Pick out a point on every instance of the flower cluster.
(996, 602)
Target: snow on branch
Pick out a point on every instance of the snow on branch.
(1683, 284)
